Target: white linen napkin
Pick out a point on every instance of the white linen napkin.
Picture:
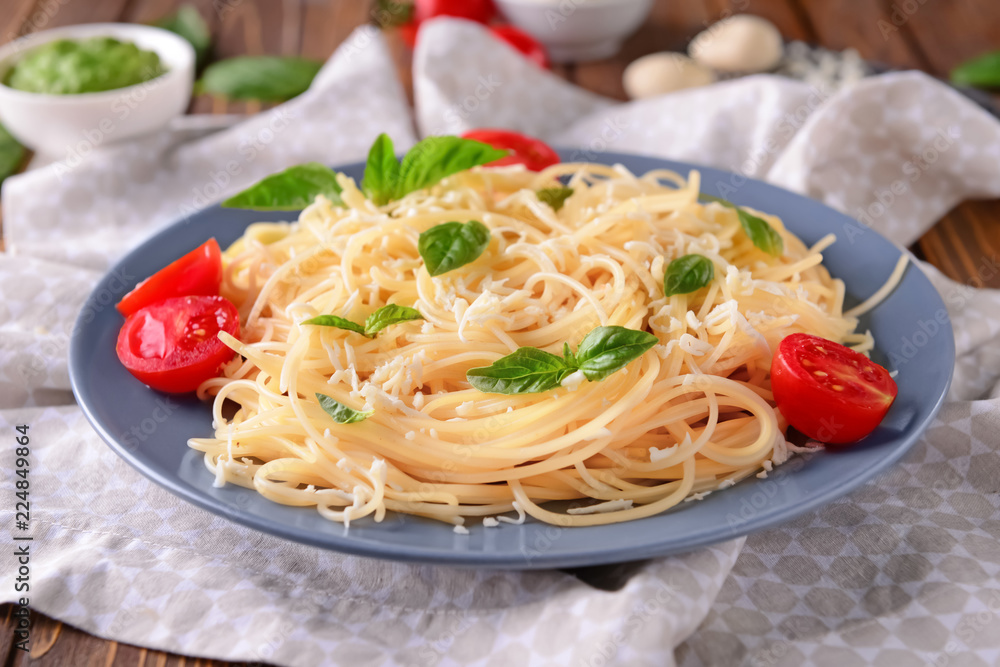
(892, 573)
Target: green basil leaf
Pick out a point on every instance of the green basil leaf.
(188, 23)
(340, 412)
(270, 78)
(389, 315)
(569, 357)
(338, 322)
(393, 13)
(11, 154)
(290, 190)
(448, 246)
(528, 370)
(761, 234)
(687, 274)
(981, 72)
(381, 172)
(554, 197)
(436, 158)
(608, 349)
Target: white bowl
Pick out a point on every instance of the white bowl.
(577, 30)
(61, 124)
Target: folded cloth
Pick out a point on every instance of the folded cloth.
(904, 569)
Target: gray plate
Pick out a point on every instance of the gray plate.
(150, 430)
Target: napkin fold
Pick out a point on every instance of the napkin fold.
(893, 573)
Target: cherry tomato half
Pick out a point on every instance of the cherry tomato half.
(173, 345)
(198, 273)
(530, 47)
(827, 391)
(533, 153)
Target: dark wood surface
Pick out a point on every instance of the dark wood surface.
(934, 38)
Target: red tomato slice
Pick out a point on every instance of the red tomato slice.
(173, 345)
(827, 391)
(523, 42)
(533, 153)
(198, 273)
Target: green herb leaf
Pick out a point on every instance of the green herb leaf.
(528, 370)
(450, 245)
(761, 234)
(340, 412)
(608, 349)
(981, 72)
(290, 190)
(270, 78)
(381, 172)
(338, 322)
(393, 13)
(554, 197)
(389, 315)
(11, 154)
(436, 158)
(188, 23)
(569, 357)
(687, 274)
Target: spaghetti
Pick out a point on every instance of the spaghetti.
(692, 415)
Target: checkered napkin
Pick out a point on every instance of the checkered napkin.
(904, 571)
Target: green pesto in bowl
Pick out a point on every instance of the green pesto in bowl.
(70, 67)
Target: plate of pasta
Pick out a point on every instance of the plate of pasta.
(498, 367)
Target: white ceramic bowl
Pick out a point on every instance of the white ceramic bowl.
(577, 30)
(61, 124)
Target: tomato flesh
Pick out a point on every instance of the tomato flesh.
(198, 273)
(827, 391)
(173, 345)
(523, 42)
(533, 153)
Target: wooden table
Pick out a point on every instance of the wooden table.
(934, 38)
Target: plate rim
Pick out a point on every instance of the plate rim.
(596, 555)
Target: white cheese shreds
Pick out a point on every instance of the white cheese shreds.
(609, 506)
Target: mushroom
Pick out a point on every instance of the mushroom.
(740, 43)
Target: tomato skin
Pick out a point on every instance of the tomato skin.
(173, 345)
(523, 42)
(480, 11)
(198, 273)
(827, 391)
(533, 153)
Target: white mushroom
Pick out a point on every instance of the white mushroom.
(740, 43)
(660, 73)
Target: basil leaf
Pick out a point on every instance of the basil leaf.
(608, 349)
(448, 246)
(338, 322)
(393, 13)
(340, 412)
(270, 78)
(290, 190)
(568, 356)
(188, 23)
(554, 197)
(436, 158)
(381, 171)
(528, 370)
(11, 154)
(687, 274)
(981, 72)
(761, 234)
(389, 315)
